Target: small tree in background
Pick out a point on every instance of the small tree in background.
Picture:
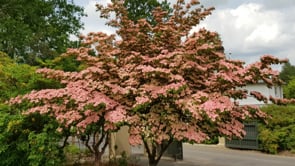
(171, 84)
(288, 76)
(288, 72)
(289, 89)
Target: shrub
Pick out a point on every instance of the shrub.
(28, 140)
(278, 134)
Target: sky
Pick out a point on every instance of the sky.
(248, 28)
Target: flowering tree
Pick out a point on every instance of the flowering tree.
(83, 106)
(180, 84)
(167, 83)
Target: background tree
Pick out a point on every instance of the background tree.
(288, 72)
(289, 89)
(31, 29)
(143, 9)
(288, 76)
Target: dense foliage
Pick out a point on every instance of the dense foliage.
(25, 139)
(288, 76)
(289, 89)
(279, 132)
(16, 79)
(28, 140)
(31, 29)
(287, 73)
(143, 9)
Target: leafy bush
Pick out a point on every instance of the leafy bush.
(28, 140)
(289, 89)
(25, 140)
(278, 134)
(17, 79)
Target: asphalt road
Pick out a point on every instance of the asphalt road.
(203, 155)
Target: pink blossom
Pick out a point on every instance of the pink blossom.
(142, 100)
(118, 115)
(135, 140)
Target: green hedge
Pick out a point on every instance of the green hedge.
(278, 134)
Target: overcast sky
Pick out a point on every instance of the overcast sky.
(248, 28)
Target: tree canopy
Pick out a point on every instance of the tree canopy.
(143, 9)
(288, 76)
(289, 89)
(288, 72)
(31, 29)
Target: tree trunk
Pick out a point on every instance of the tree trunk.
(153, 156)
(155, 152)
(153, 162)
(97, 159)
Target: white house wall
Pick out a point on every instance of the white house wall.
(276, 92)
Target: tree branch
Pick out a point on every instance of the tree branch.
(87, 143)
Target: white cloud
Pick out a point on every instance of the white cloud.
(251, 30)
(264, 33)
(93, 23)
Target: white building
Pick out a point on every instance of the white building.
(275, 91)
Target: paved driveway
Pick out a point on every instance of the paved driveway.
(204, 155)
